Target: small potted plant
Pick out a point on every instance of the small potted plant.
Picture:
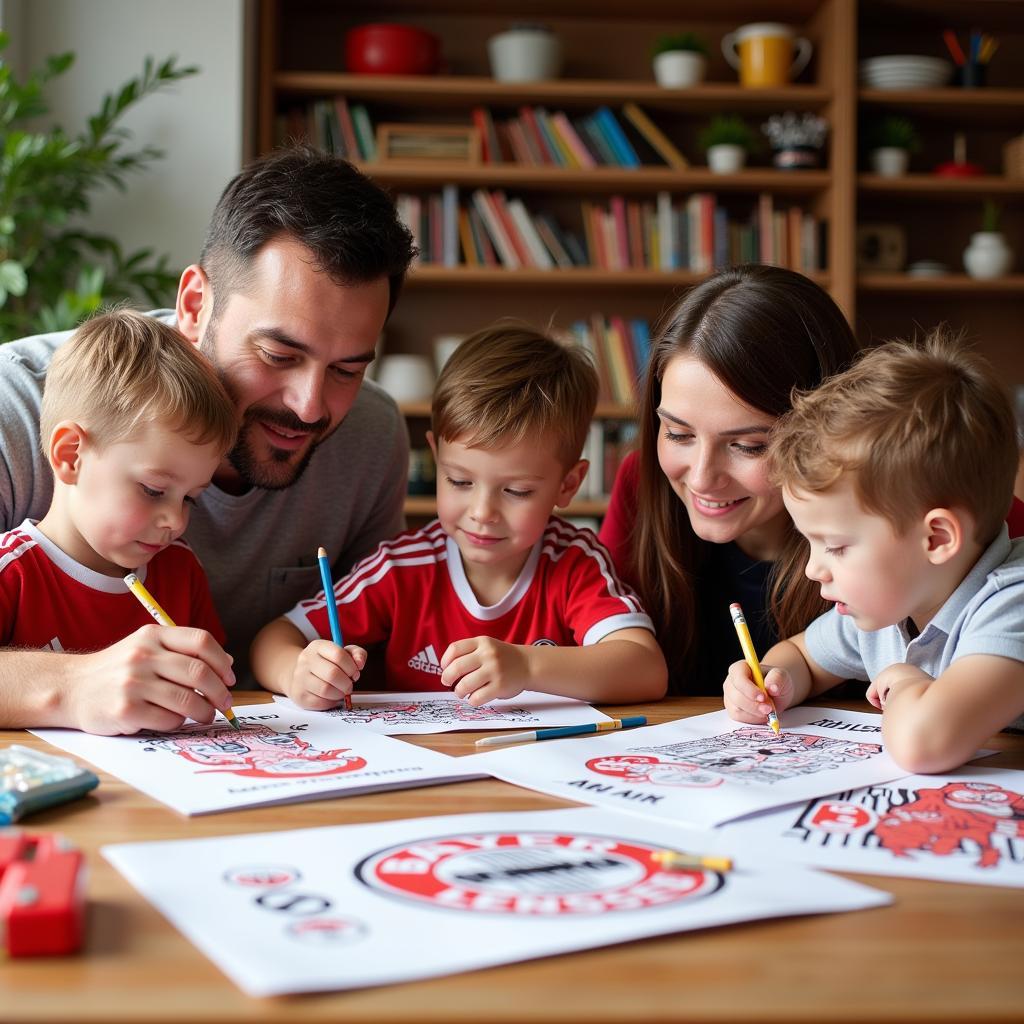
(727, 140)
(796, 139)
(988, 255)
(679, 60)
(890, 141)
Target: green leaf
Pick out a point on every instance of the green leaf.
(13, 278)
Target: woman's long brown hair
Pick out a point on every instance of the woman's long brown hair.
(762, 331)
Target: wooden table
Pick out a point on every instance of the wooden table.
(940, 953)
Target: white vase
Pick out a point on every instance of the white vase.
(987, 255)
(890, 161)
(525, 55)
(406, 378)
(726, 159)
(679, 69)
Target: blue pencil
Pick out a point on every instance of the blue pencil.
(562, 730)
(332, 607)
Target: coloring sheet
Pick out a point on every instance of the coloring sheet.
(357, 905)
(281, 755)
(396, 714)
(704, 770)
(967, 826)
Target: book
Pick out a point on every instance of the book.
(598, 142)
(535, 138)
(484, 123)
(500, 204)
(566, 132)
(346, 128)
(655, 136)
(492, 221)
(471, 257)
(524, 223)
(488, 257)
(625, 154)
(549, 232)
(364, 132)
(449, 254)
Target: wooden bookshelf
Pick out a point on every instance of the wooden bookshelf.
(606, 62)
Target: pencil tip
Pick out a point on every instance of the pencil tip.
(234, 723)
(321, 552)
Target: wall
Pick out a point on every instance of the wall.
(199, 123)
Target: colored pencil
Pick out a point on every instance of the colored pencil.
(332, 607)
(673, 860)
(150, 603)
(562, 730)
(953, 45)
(751, 658)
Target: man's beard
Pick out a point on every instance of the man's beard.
(277, 473)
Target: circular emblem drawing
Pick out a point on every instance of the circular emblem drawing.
(531, 873)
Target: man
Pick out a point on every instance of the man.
(302, 265)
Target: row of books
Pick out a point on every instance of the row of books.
(608, 443)
(538, 137)
(332, 125)
(534, 136)
(694, 233)
(619, 348)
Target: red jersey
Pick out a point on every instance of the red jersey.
(47, 599)
(413, 593)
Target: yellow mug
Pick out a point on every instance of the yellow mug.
(763, 53)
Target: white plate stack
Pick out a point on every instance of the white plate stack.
(905, 71)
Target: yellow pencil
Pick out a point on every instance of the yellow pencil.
(751, 658)
(673, 860)
(150, 603)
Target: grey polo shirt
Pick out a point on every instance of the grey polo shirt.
(984, 615)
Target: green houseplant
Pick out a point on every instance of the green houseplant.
(727, 139)
(890, 141)
(52, 272)
(679, 60)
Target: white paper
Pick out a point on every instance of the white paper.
(704, 770)
(967, 826)
(280, 756)
(396, 714)
(357, 905)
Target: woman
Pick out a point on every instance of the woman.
(694, 522)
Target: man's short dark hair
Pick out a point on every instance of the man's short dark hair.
(348, 222)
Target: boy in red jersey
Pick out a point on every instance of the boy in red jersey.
(134, 422)
(496, 595)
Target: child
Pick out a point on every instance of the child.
(899, 473)
(134, 422)
(510, 596)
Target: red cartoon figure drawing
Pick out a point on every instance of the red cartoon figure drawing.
(257, 752)
(641, 768)
(939, 820)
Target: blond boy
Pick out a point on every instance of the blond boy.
(899, 473)
(496, 595)
(134, 422)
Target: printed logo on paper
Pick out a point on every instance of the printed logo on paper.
(262, 876)
(538, 874)
(975, 821)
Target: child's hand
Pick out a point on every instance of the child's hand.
(743, 697)
(324, 674)
(153, 679)
(882, 684)
(482, 669)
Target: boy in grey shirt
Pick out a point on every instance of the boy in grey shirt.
(899, 473)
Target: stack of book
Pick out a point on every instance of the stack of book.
(332, 125)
